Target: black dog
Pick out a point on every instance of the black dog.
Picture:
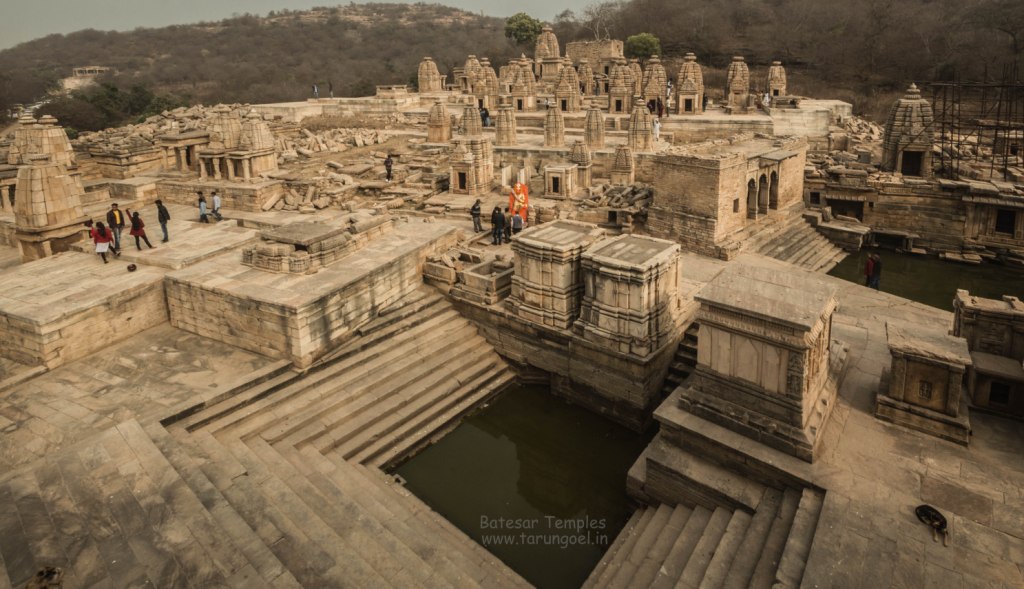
(931, 516)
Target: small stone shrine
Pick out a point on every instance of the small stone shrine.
(45, 136)
(546, 285)
(994, 331)
(560, 181)
(630, 294)
(909, 134)
(737, 86)
(776, 81)
(763, 357)
(48, 214)
(690, 89)
(922, 389)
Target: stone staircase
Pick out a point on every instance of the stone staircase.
(277, 485)
(402, 384)
(786, 236)
(699, 547)
(684, 361)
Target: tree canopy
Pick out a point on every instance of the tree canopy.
(523, 28)
(642, 46)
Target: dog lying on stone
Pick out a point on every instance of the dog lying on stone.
(931, 516)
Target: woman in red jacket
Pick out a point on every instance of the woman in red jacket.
(103, 238)
(139, 230)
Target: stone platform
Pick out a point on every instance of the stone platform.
(874, 474)
(52, 312)
(191, 242)
(299, 316)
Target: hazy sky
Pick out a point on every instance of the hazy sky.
(24, 20)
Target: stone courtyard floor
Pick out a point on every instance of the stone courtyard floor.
(146, 377)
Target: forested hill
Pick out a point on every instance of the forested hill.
(863, 51)
(262, 59)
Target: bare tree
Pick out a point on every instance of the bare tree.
(601, 17)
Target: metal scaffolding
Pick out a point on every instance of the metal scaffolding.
(980, 124)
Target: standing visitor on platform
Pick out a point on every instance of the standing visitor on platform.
(869, 266)
(474, 212)
(115, 223)
(876, 272)
(163, 216)
(139, 230)
(216, 206)
(497, 226)
(103, 238)
(203, 217)
(388, 164)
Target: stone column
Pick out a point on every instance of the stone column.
(215, 162)
(247, 169)
(179, 159)
(230, 165)
(202, 169)
(5, 197)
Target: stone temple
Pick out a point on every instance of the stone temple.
(228, 413)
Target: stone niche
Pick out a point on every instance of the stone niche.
(763, 357)
(994, 330)
(546, 285)
(922, 389)
(631, 294)
(560, 181)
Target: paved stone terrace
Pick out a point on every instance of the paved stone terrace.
(876, 473)
(146, 377)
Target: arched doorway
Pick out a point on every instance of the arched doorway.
(751, 200)
(773, 191)
(762, 194)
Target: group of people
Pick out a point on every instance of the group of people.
(504, 224)
(656, 106)
(204, 210)
(107, 238)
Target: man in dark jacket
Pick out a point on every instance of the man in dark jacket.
(497, 226)
(116, 220)
(163, 216)
(474, 212)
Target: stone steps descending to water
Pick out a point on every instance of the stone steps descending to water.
(684, 361)
(263, 486)
(786, 236)
(663, 546)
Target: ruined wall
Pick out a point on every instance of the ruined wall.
(686, 205)
(791, 178)
(238, 196)
(122, 165)
(937, 217)
(595, 52)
